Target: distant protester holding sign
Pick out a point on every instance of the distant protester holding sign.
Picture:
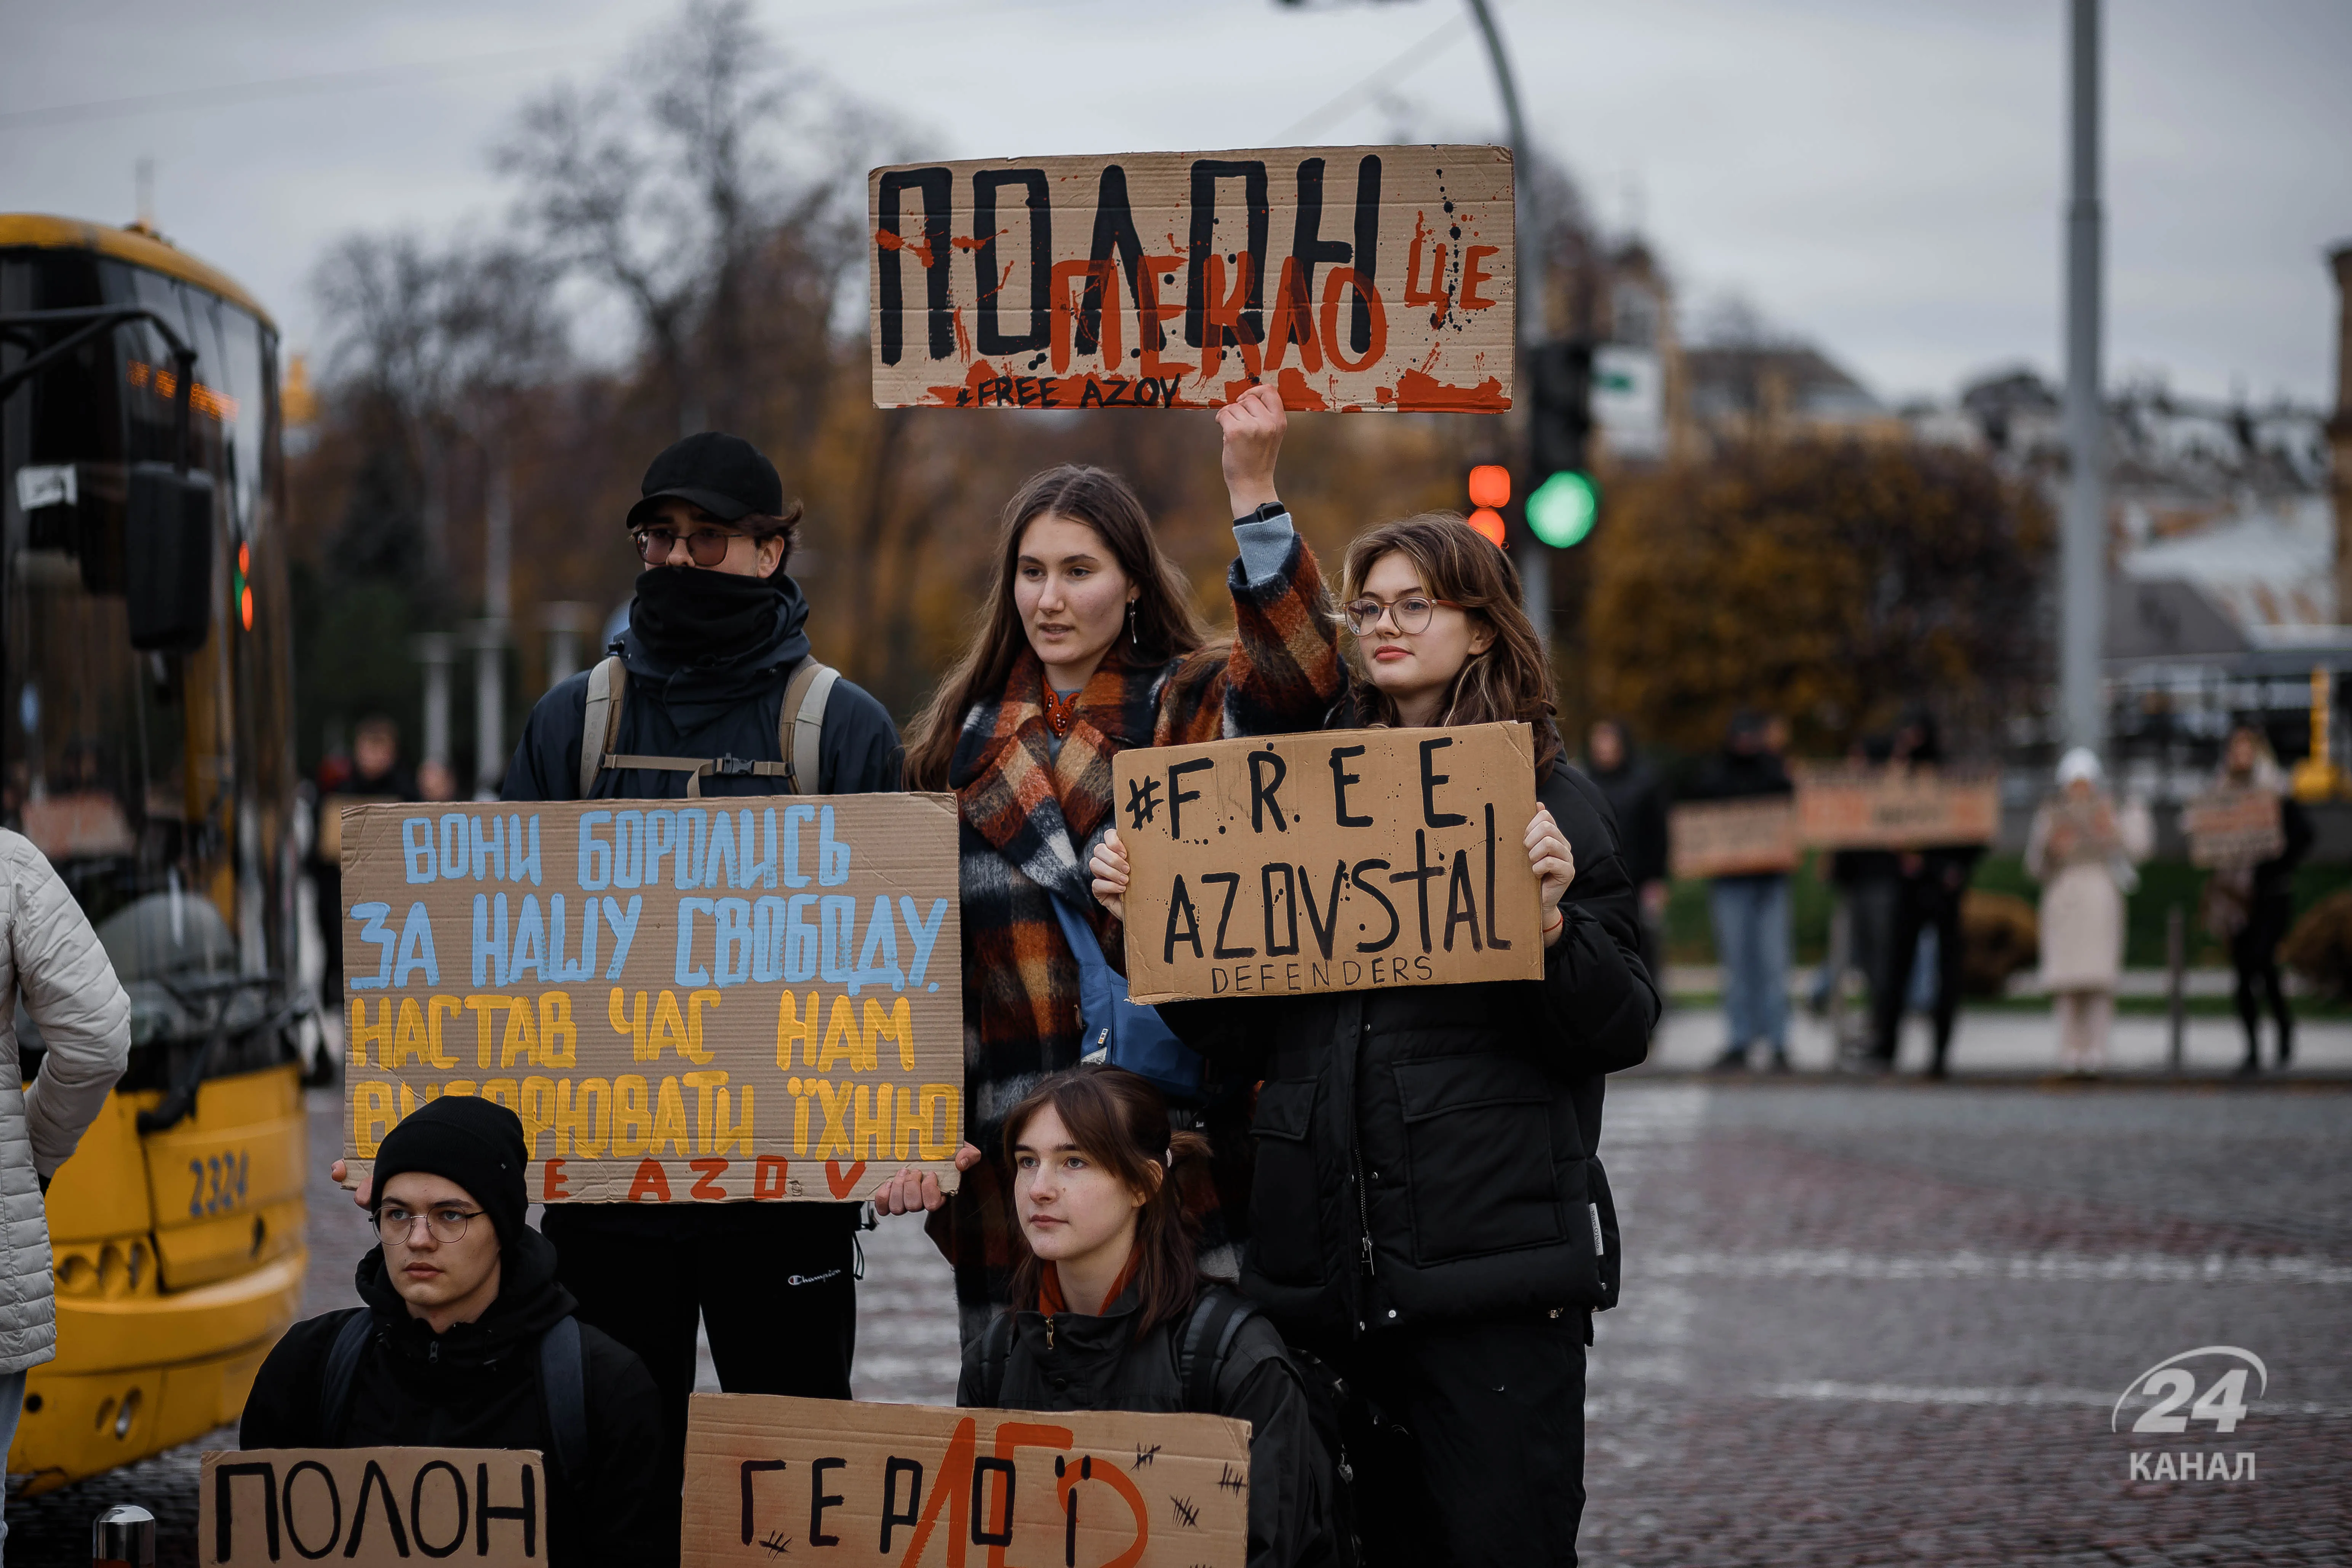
(1089, 645)
(2250, 897)
(466, 1340)
(1427, 1214)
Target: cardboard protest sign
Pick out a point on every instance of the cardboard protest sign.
(1733, 838)
(1337, 860)
(2233, 827)
(833, 1482)
(1345, 277)
(1845, 807)
(373, 1508)
(747, 999)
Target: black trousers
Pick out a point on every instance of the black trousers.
(1478, 1457)
(1923, 901)
(774, 1284)
(2253, 954)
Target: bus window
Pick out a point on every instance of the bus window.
(153, 781)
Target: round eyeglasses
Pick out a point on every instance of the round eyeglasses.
(1411, 613)
(705, 546)
(447, 1223)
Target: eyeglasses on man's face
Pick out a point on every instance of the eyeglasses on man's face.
(1411, 613)
(706, 545)
(447, 1222)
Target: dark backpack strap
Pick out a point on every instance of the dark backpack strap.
(995, 1351)
(1217, 1321)
(342, 1367)
(564, 1384)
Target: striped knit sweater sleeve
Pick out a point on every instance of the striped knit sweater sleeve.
(1283, 672)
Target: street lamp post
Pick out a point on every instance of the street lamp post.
(2083, 544)
(1535, 559)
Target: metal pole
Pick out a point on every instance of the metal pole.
(1534, 557)
(434, 651)
(2084, 545)
(490, 635)
(2176, 980)
(124, 1536)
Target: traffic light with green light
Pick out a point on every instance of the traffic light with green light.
(1565, 502)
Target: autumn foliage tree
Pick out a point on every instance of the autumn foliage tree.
(1829, 583)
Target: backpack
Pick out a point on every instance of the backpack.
(1202, 1351)
(561, 1383)
(800, 730)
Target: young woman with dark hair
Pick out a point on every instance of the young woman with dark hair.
(1427, 1214)
(1087, 644)
(1105, 1290)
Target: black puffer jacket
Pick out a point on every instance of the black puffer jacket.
(1099, 1363)
(1430, 1152)
(725, 708)
(476, 1386)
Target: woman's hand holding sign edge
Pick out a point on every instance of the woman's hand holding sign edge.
(916, 1191)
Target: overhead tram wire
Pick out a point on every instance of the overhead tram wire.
(1419, 54)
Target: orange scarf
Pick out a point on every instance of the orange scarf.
(1049, 1287)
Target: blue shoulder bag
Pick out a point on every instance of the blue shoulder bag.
(1122, 1033)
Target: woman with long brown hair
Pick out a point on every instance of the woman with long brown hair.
(1427, 1214)
(1089, 644)
(1110, 1311)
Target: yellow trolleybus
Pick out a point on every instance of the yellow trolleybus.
(144, 746)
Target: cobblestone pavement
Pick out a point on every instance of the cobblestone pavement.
(1865, 1324)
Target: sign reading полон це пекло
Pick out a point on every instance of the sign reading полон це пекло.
(684, 1002)
(1345, 277)
(1339, 860)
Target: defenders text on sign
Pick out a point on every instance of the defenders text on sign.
(707, 1003)
(1345, 277)
(1339, 860)
(772, 1479)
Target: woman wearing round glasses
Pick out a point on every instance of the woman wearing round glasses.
(1426, 1213)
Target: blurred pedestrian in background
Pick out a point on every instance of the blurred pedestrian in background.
(1638, 799)
(1750, 910)
(2249, 906)
(1930, 886)
(54, 971)
(373, 772)
(1866, 888)
(2082, 848)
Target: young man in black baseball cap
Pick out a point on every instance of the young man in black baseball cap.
(466, 1340)
(713, 688)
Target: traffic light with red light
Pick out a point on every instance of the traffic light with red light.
(1490, 491)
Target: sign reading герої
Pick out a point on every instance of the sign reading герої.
(751, 998)
(1338, 860)
(1345, 277)
(772, 1479)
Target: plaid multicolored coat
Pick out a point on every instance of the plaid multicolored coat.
(1029, 822)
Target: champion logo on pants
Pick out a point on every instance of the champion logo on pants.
(811, 1279)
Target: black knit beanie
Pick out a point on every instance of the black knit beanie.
(477, 1143)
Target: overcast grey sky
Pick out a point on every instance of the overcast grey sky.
(1884, 178)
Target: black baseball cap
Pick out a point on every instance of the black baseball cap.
(724, 475)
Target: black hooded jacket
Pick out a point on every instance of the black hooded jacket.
(724, 706)
(1073, 1362)
(476, 1386)
(1430, 1152)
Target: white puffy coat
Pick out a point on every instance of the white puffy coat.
(50, 956)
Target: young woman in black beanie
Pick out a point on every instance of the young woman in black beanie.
(466, 1340)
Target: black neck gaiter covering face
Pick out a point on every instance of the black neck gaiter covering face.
(688, 614)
